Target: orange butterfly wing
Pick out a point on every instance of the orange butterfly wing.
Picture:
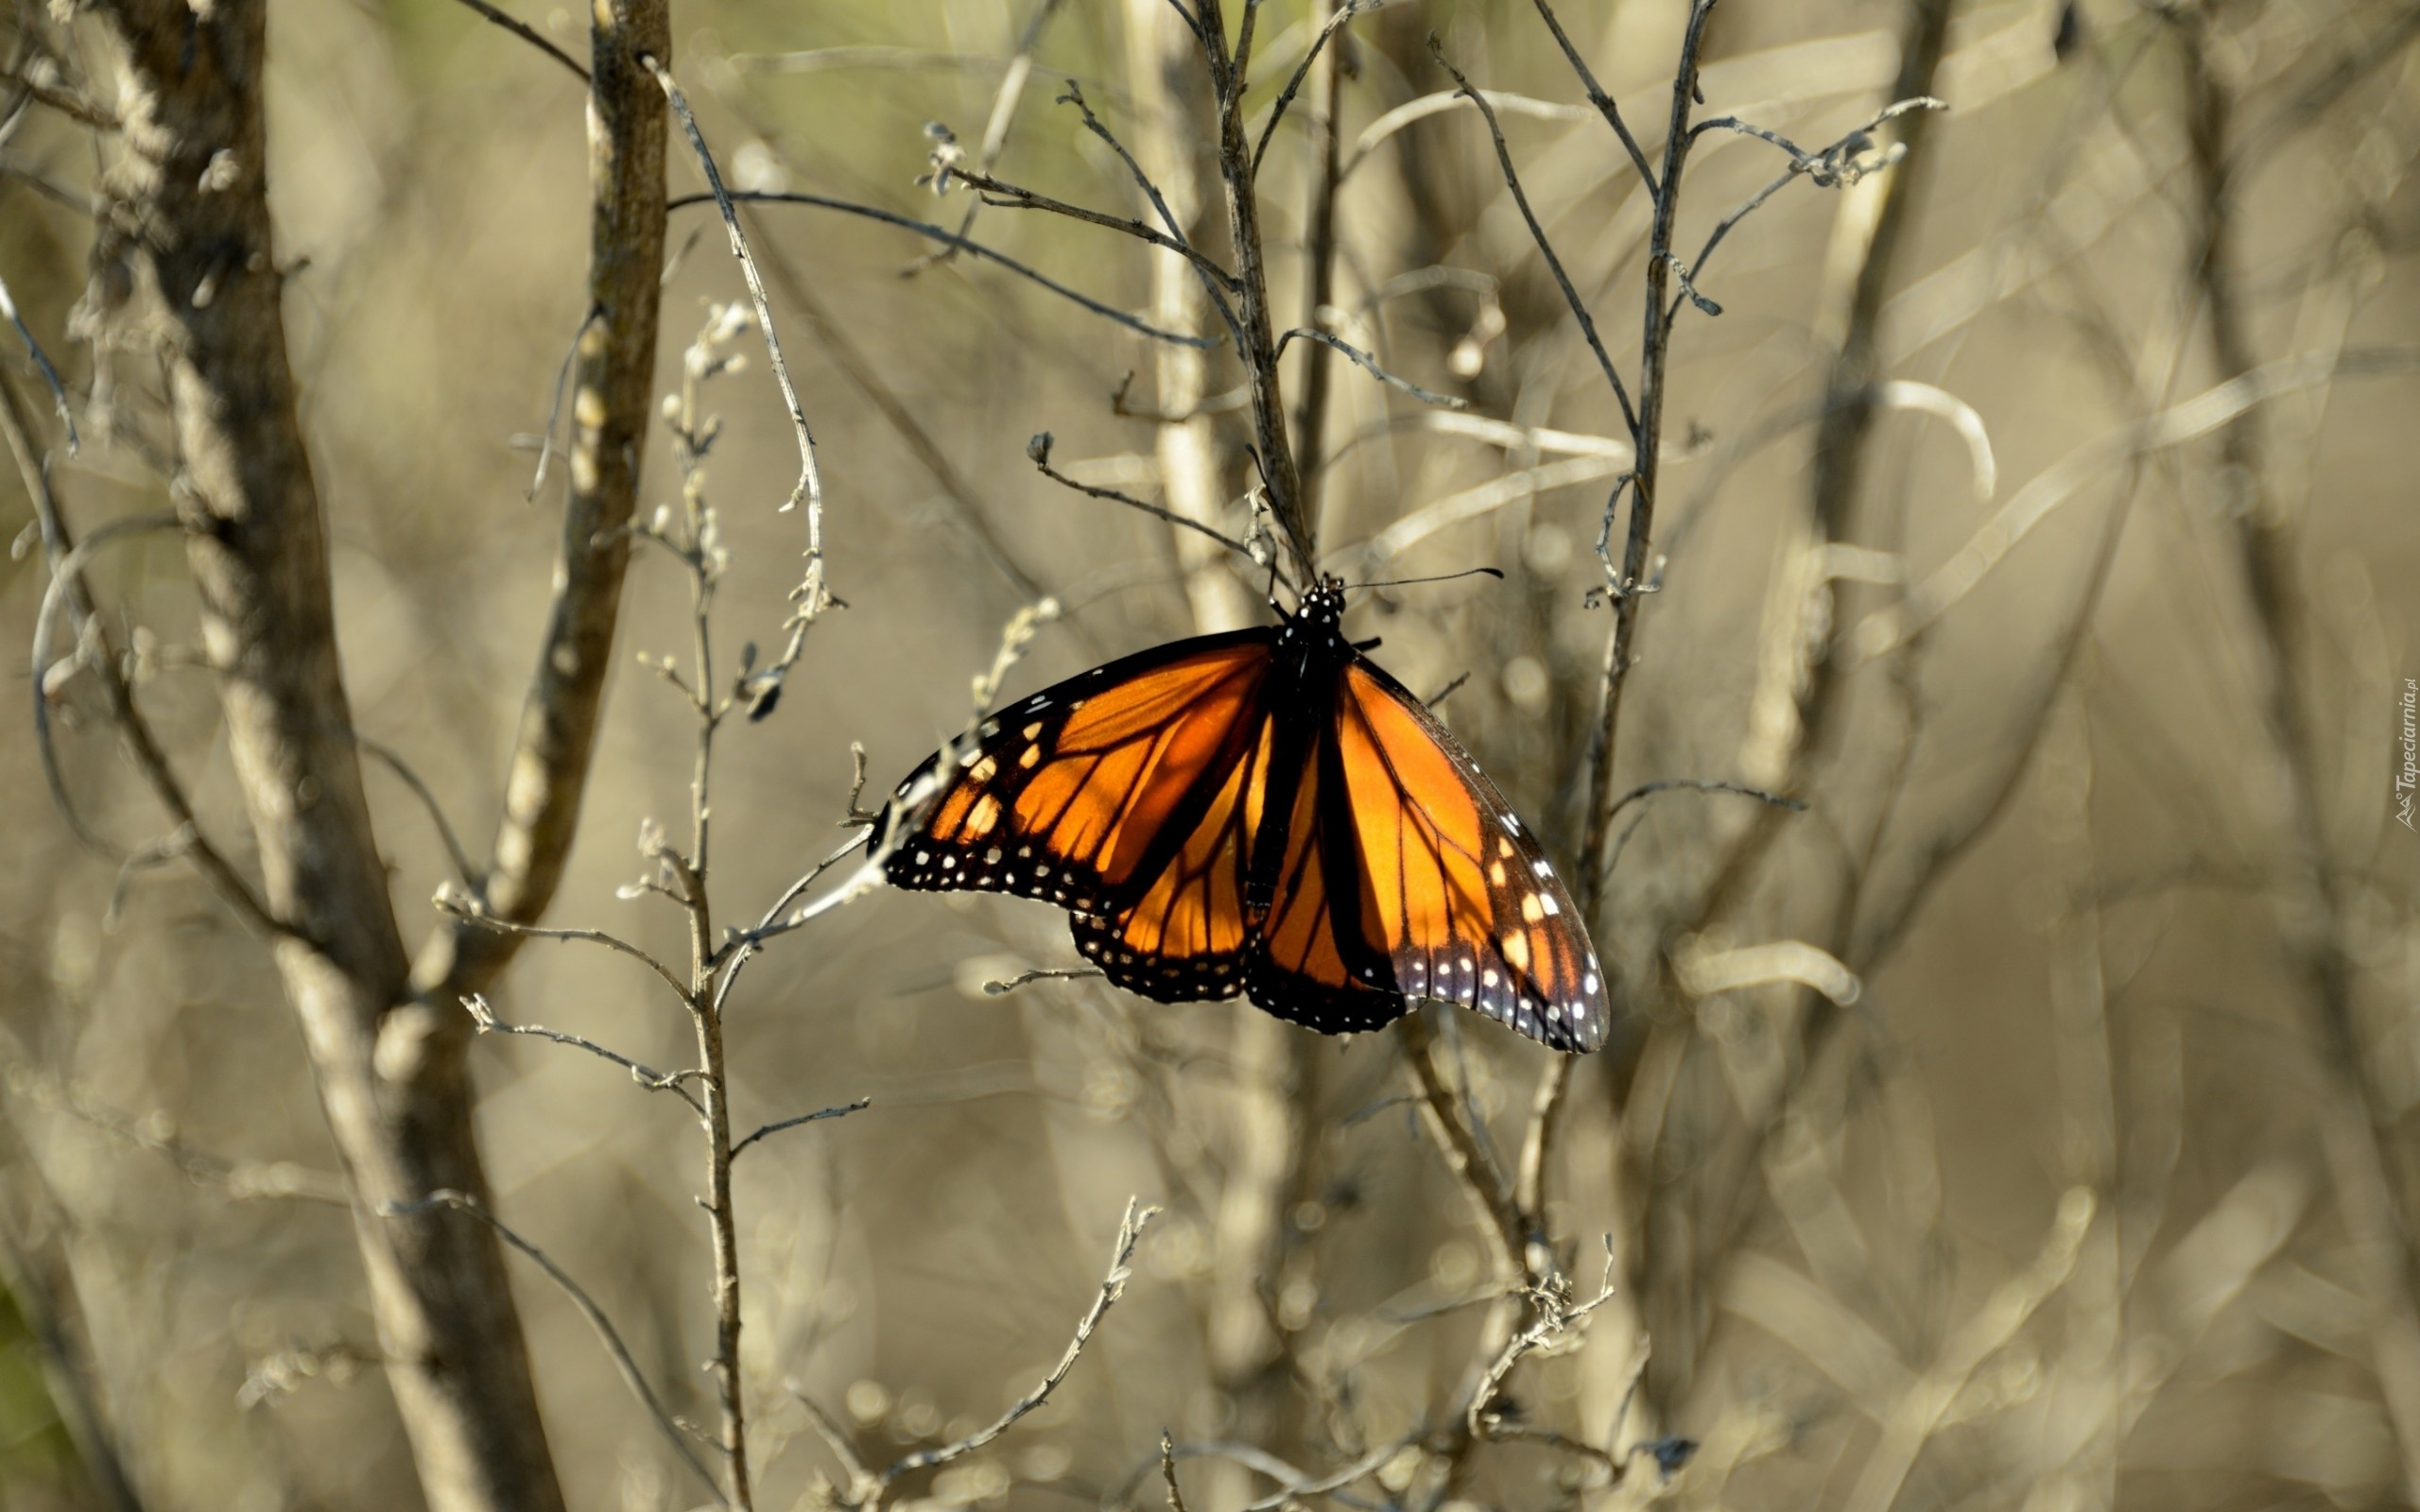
(1188, 937)
(1138, 797)
(1407, 875)
(1084, 793)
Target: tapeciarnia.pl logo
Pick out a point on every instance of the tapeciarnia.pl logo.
(2409, 778)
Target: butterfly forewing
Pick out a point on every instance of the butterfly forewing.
(1077, 794)
(1185, 938)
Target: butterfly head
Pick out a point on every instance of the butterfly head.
(1321, 607)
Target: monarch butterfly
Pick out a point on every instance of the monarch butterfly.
(1262, 810)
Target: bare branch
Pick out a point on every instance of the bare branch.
(1538, 234)
(809, 488)
(1167, 1472)
(1597, 96)
(1210, 274)
(647, 1077)
(531, 35)
(464, 870)
(841, 1111)
(1302, 71)
(934, 233)
(1014, 197)
(473, 910)
(42, 361)
(1039, 450)
(1370, 365)
(1113, 1286)
(1646, 790)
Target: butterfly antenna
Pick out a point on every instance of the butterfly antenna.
(1443, 577)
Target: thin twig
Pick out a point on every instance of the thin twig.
(1538, 234)
(1303, 71)
(1370, 365)
(647, 1077)
(1836, 165)
(67, 584)
(926, 229)
(464, 868)
(68, 587)
(841, 1111)
(555, 406)
(531, 35)
(42, 361)
(1167, 1472)
(1597, 96)
(809, 488)
(1039, 450)
(464, 1202)
(1015, 197)
(1113, 1286)
(1051, 973)
(1210, 274)
(470, 909)
(1697, 785)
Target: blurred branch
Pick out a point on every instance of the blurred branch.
(868, 1489)
(2212, 409)
(2368, 1154)
(1005, 100)
(1323, 241)
(925, 229)
(1519, 1250)
(41, 363)
(531, 35)
(32, 1277)
(1911, 1420)
(1571, 299)
(95, 653)
(611, 1336)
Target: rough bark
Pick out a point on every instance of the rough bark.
(190, 263)
(613, 384)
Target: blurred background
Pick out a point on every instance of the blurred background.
(2077, 1171)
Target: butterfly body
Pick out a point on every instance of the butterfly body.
(1265, 811)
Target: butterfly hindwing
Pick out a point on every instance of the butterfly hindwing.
(1318, 966)
(1454, 891)
(1076, 795)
